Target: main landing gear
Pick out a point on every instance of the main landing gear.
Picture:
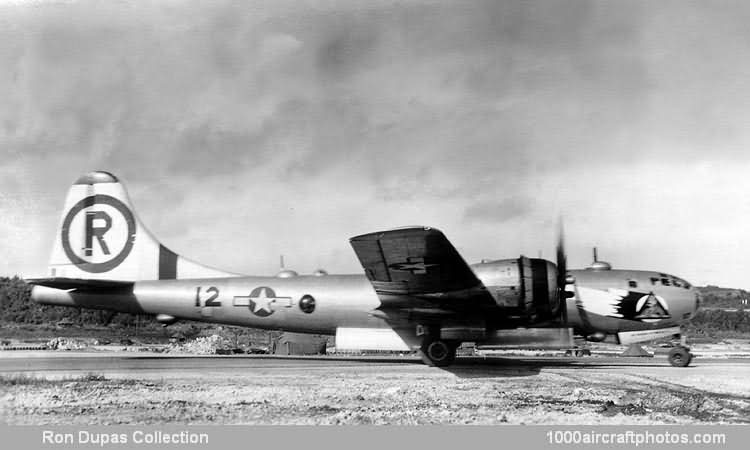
(438, 352)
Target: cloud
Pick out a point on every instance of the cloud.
(397, 87)
(309, 123)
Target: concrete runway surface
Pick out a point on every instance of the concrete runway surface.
(148, 388)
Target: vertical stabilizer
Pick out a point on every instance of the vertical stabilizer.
(100, 237)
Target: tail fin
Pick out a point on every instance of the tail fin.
(100, 238)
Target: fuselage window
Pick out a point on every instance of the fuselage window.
(307, 304)
(679, 282)
(632, 283)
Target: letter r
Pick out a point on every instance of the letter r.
(92, 231)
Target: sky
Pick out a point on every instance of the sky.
(246, 130)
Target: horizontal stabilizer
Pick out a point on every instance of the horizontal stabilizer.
(80, 284)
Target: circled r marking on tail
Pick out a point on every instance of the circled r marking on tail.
(98, 224)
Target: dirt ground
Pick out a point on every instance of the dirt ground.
(303, 392)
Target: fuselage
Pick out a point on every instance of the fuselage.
(608, 301)
(258, 302)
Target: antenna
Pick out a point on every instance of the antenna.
(598, 265)
(281, 261)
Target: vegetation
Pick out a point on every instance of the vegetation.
(724, 313)
(717, 297)
(16, 307)
(29, 380)
(719, 323)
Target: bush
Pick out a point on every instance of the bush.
(719, 323)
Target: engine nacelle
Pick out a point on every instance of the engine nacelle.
(523, 288)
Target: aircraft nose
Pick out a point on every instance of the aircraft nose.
(682, 296)
(693, 298)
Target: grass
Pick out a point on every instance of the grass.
(27, 380)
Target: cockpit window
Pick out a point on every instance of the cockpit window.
(670, 280)
(632, 283)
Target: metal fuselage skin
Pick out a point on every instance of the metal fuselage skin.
(350, 301)
(340, 301)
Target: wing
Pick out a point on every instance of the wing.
(418, 262)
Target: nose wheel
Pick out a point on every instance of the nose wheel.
(438, 353)
(680, 356)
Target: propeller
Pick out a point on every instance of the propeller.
(562, 274)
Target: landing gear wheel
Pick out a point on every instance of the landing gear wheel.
(438, 353)
(680, 356)
(578, 352)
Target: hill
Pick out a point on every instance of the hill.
(719, 297)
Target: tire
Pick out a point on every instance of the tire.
(438, 353)
(680, 357)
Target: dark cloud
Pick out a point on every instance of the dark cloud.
(348, 47)
(216, 87)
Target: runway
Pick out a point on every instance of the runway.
(718, 373)
(146, 388)
(52, 364)
(136, 364)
